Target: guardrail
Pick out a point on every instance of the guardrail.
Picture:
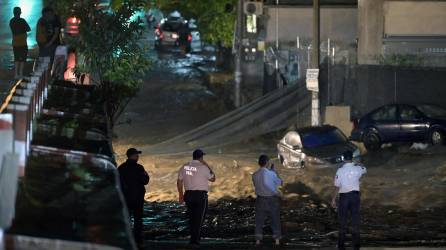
(17, 112)
(19, 118)
(24, 102)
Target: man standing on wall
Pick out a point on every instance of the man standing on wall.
(133, 178)
(19, 28)
(347, 185)
(195, 177)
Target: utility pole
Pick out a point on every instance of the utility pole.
(279, 83)
(315, 111)
(238, 54)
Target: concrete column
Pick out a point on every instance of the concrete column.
(370, 30)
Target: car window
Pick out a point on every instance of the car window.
(432, 111)
(386, 113)
(171, 26)
(317, 138)
(408, 113)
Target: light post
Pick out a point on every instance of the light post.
(279, 83)
(315, 111)
(238, 54)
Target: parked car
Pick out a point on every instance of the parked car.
(401, 123)
(321, 146)
(173, 31)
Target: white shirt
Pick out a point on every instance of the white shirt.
(348, 176)
(266, 182)
(195, 175)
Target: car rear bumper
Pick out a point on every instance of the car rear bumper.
(168, 43)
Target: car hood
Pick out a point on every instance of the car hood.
(330, 152)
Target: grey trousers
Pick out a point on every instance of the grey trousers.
(268, 206)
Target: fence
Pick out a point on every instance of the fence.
(365, 87)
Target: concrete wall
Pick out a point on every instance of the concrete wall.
(378, 19)
(338, 23)
(399, 18)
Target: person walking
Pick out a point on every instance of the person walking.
(266, 182)
(133, 178)
(194, 177)
(47, 35)
(19, 29)
(346, 182)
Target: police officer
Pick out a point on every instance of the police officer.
(133, 178)
(195, 177)
(346, 183)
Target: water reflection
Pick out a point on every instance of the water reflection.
(31, 10)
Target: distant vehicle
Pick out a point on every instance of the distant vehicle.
(196, 38)
(401, 123)
(173, 31)
(321, 146)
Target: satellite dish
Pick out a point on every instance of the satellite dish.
(251, 8)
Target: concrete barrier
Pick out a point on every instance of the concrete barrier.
(339, 116)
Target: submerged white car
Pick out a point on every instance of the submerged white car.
(321, 146)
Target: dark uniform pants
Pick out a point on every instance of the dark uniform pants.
(136, 208)
(349, 204)
(197, 205)
(268, 206)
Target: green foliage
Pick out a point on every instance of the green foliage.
(215, 23)
(108, 43)
(404, 60)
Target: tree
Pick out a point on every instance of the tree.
(108, 42)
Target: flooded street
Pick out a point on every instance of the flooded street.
(307, 223)
(397, 208)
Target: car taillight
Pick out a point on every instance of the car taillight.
(189, 38)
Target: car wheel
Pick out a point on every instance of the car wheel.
(371, 140)
(436, 137)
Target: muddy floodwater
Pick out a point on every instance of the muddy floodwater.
(403, 193)
(307, 222)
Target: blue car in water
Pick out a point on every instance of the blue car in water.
(401, 123)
